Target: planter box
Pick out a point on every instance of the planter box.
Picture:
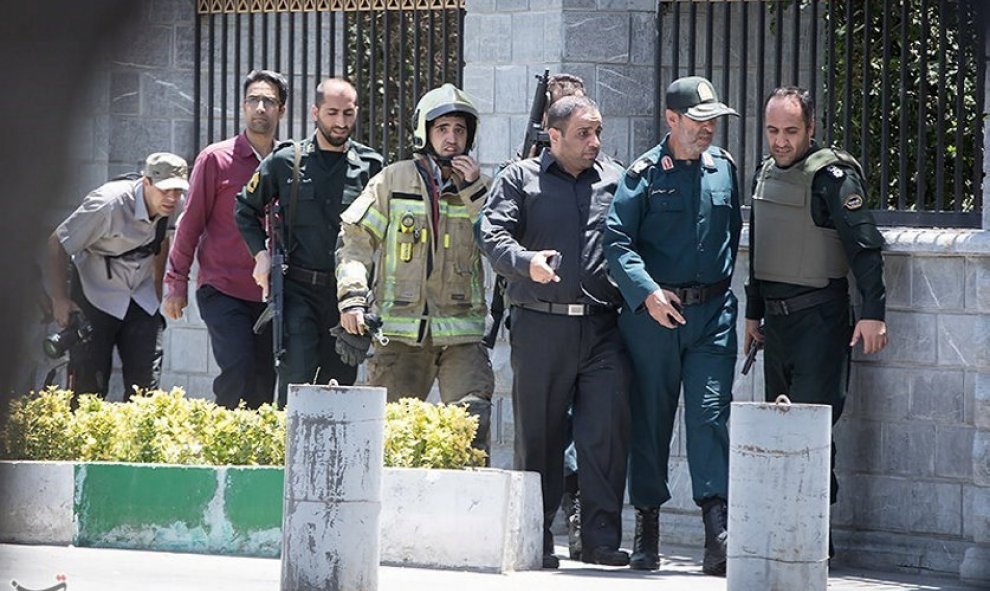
(488, 520)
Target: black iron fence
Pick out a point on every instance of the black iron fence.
(897, 83)
(392, 51)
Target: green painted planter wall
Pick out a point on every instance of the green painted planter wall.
(232, 510)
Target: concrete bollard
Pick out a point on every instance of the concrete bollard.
(778, 496)
(333, 483)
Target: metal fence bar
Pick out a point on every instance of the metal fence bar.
(900, 84)
(709, 41)
(865, 113)
(902, 182)
(943, 9)
(922, 92)
(885, 99)
(830, 75)
(743, 95)
(235, 82)
(223, 76)
(778, 25)
(796, 44)
(726, 42)
(979, 48)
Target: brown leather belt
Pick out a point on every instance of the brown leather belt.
(692, 295)
(309, 277)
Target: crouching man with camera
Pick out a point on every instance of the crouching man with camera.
(115, 241)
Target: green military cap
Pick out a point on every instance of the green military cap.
(695, 97)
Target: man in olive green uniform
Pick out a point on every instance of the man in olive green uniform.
(671, 241)
(333, 170)
(413, 226)
(809, 226)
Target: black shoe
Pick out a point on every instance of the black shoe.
(646, 542)
(572, 513)
(607, 556)
(715, 513)
(550, 561)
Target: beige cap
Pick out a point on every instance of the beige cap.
(167, 171)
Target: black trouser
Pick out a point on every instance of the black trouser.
(310, 357)
(806, 357)
(138, 338)
(247, 366)
(576, 362)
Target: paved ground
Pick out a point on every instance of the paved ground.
(89, 569)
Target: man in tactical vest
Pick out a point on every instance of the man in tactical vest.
(809, 227)
(412, 225)
(332, 170)
(671, 241)
(115, 240)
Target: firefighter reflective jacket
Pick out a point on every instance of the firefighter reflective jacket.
(417, 243)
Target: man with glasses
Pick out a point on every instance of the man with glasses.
(332, 170)
(229, 300)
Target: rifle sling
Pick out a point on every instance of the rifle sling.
(293, 196)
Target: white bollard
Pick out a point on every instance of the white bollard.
(778, 496)
(333, 483)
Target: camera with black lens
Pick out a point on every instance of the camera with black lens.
(78, 331)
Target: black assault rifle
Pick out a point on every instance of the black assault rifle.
(535, 136)
(274, 312)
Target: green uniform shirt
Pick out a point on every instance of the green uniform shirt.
(837, 201)
(328, 183)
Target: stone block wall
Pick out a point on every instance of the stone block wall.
(510, 42)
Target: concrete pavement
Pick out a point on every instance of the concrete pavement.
(92, 569)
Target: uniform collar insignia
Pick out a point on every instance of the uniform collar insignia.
(667, 163)
(707, 160)
(835, 171)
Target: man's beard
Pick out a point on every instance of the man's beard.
(336, 142)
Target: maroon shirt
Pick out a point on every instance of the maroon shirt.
(207, 229)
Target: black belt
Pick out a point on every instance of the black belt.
(805, 300)
(566, 309)
(699, 294)
(309, 277)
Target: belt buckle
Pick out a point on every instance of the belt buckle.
(575, 309)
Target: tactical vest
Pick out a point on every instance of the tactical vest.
(787, 245)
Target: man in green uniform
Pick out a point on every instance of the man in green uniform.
(412, 225)
(333, 170)
(809, 226)
(671, 241)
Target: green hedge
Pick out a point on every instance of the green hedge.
(167, 427)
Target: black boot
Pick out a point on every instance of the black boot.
(646, 543)
(572, 513)
(715, 513)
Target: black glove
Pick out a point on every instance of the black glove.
(353, 348)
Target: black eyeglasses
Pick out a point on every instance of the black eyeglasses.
(268, 101)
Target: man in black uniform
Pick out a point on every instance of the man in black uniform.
(333, 171)
(809, 226)
(542, 230)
